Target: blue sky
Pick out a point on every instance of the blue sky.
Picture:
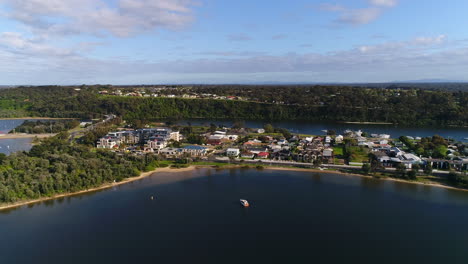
(243, 41)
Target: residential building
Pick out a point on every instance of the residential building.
(232, 152)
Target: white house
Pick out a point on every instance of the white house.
(327, 153)
(232, 152)
(195, 151)
(339, 139)
(107, 143)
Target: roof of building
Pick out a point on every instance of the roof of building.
(195, 147)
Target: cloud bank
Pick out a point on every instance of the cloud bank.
(122, 19)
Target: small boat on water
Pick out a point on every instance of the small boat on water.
(244, 203)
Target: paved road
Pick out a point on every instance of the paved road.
(91, 127)
(302, 164)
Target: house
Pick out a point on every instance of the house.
(107, 143)
(85, 123)
(155, 145)
(339, 139)
(253, 142)
(247, 154)
(327, 153)
(263, 155)
(257, 150)
(232, 152)
(195, 151)
(171, 152)
(215, 140)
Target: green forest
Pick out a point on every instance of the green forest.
(55, 166)
(415, 107)
(41, 126)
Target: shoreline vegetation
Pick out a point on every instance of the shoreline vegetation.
(219, 166)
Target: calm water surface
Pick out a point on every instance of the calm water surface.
(295, 217)
(8, 146)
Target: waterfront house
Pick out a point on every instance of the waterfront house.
(171, 152)
(257, 150)
(232, 152)
(339, 139)
(195, 151)
(154, 145)
(247, 154)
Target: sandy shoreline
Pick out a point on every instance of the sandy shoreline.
(367, 123)
(38, 118)
(432, 184)
(167, 169)
(24, 135)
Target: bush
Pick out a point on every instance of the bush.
(366, 168)
(412, 174)
(179, 166)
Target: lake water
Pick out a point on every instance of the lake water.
(295, 217)
(8, 146)
(316, 128)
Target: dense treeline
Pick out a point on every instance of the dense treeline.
(55, 166)
(40, 126)
(414, 107)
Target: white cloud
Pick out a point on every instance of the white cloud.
(358, 16)
(17, 44)
(430, 40)
(127, 17)
(418, 58)
(384, 3)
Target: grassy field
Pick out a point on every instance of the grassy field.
(359, 154)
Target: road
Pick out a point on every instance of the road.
(302, 164)
(74, 134)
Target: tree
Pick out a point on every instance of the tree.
(401, 170)
(412, 174)
(2, 158)
(428, 169)
(440, 152)
(452, 177)
(212, 128)
(269, 128)
(366, 168)
(238, 124)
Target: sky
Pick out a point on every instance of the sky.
(223, 41)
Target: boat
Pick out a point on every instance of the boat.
(244, 203)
